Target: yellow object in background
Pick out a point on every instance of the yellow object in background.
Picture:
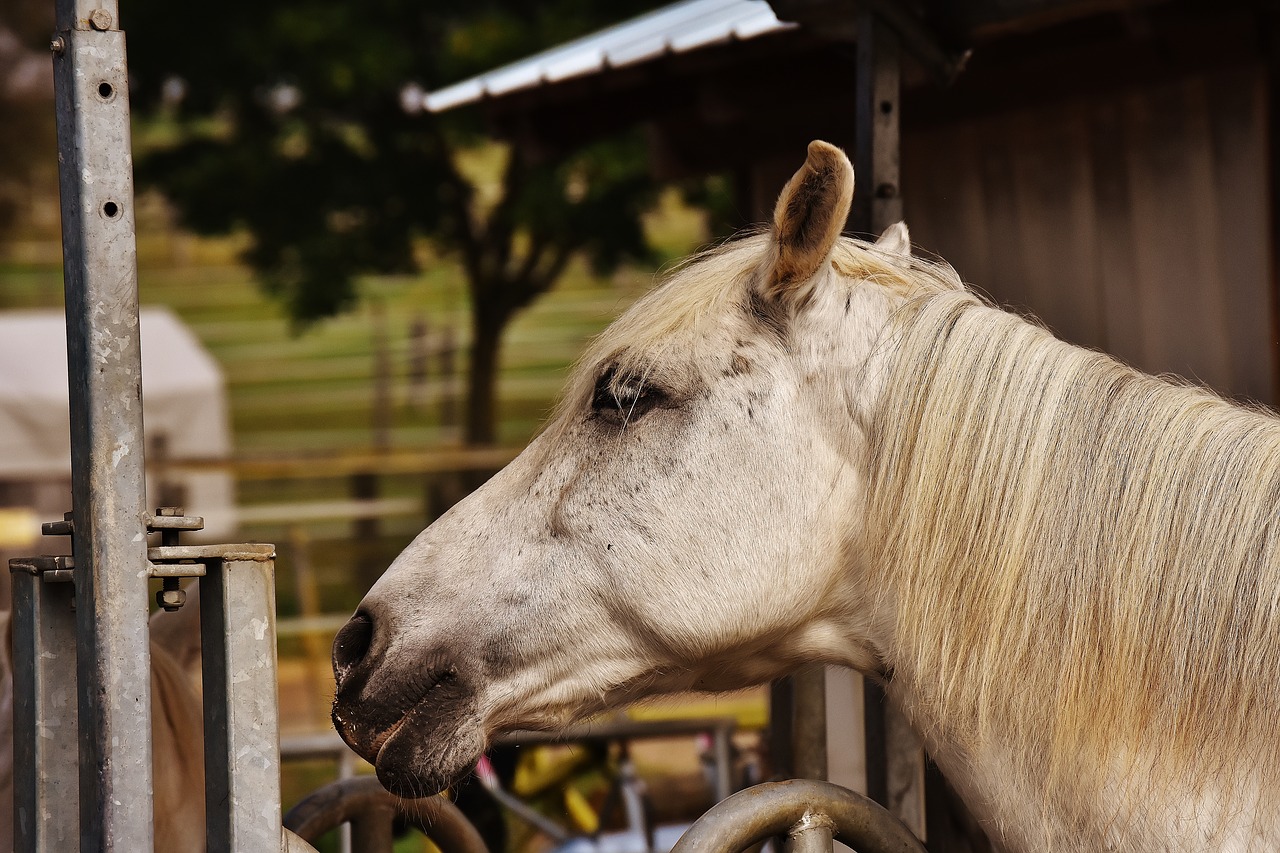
(584, 817)
(19, 527)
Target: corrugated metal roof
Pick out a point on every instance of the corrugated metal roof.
(678, 28)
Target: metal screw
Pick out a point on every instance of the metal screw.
(100, 19)
(171, 598)
(58, 45)
(169, 537)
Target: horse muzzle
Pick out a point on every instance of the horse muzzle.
(412, 716)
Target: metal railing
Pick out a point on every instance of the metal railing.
(808, 813)
(372, 812)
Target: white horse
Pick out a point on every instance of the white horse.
(807, 448)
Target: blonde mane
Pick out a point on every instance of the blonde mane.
(1085, 561)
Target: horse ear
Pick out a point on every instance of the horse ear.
(896, 240)
(810, 215)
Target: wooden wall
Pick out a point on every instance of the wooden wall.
(1137, 222)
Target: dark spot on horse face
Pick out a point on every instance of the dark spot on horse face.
(515, 599)
(557, 526)
(768, 314)
(738, 365)
(498, 652)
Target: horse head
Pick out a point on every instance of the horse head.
(689, 519)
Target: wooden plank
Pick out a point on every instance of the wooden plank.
(1122, 330)
(346, 464)
(1009, 272)
(1050, 180)
(1173, 205)
(1236, 102)
(944, 197)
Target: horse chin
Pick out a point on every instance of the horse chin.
(426, 752)
(420, 741)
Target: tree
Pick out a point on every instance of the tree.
(27, 139)
(287, 122)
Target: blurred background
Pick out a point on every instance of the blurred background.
(372, 237)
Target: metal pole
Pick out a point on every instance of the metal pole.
(46, 812)
(877, 204)
(877, 201)
(809, 723)
(241, 710)
(105, 386)
(809, 812)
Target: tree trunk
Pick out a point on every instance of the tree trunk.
(482, 375)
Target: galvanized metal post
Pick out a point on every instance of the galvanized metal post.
(241, 711)
(109, 536)
(46, 813)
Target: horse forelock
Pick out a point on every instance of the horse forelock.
(1085, 565)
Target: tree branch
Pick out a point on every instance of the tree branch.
(464, 229)
(499, 236)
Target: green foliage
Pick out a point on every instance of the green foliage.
(291, 129)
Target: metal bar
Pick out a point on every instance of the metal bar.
(809, 723)
(241, 711)
(105, 388)
(945, 64)
(774, 808)
(722, 753)
(46, 802)
(811, 834)
(877, 737)
(877, 203)
(371, 831)
(781, 763)
(348, 799)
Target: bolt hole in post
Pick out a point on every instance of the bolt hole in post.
(111, 210)
(886, 107)
(106, 91)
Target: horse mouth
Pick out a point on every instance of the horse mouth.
(420, 744)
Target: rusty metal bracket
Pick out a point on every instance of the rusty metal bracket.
(49, 568)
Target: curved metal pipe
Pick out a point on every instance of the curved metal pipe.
(371, 809)
(794, 808)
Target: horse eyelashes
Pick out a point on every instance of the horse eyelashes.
(623, 399)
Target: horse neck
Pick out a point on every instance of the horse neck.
(1083, 561)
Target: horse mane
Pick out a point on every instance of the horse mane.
(1085, 564)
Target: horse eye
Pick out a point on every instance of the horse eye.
(625, 399)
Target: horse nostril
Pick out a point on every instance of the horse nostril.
(351, 644)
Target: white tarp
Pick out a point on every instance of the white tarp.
(184, 406)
